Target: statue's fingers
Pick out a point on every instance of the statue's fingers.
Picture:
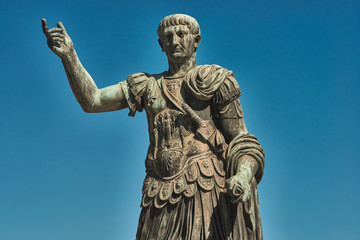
(230, 188)
(56, 49)
(58, 39)
(60, 35)
(237, 191)
(245, 197)
(60, 25)
(44, 25)
(235, 198)
(54, 30)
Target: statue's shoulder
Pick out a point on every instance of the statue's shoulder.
(207, 70)
(209, 67)
(138, 86)
(213, 82)
(137, 82)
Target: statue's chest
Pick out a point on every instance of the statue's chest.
(161, 94)
(164, 94)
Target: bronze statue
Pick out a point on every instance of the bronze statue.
(202, 165)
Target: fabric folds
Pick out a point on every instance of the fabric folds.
(246, 144)
(185, 220)
(206, 82)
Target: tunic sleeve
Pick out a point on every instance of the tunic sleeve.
(133, 89)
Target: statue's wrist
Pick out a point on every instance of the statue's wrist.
(244, 173)
(70, 57)
(247, 167)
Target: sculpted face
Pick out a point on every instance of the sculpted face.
(178, 42)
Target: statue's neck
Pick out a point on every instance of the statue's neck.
(180, 68)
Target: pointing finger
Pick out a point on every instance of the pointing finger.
(44, 25)
(60, 25)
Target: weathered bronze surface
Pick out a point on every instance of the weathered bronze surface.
(202, 165)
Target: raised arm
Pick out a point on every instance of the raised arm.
(83, 86)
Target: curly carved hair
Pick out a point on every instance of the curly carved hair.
(179, 19)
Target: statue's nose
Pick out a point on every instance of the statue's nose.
(175, 40)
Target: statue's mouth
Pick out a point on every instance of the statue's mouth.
(178, 49)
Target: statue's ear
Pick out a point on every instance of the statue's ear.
(197, 40)
(161, 45)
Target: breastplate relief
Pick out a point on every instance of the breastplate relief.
(169, 144)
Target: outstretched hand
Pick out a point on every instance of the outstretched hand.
(58, 40)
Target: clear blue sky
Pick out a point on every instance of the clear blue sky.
(65, 174)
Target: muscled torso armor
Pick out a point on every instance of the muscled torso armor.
(178, 162)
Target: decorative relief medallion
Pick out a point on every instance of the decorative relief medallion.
(147, 184)
(190, 190)
(154, 189)
(179, 184)
(191, 173)
(166, 191)
(206, 167)
(172, 84)
(206, 183)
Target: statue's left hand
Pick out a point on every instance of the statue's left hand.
(239, 188)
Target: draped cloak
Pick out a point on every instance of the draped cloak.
(191, 202)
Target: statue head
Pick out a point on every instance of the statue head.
(179, 36)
